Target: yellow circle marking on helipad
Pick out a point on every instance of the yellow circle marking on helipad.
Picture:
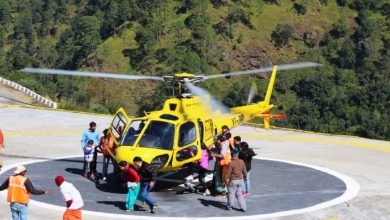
(317, 140)
(51, 132)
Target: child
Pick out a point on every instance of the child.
(88, 156)
(246, 154)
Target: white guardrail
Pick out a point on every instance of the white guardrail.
(33, 95)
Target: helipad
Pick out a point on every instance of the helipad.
(298, 174)
(279, 188)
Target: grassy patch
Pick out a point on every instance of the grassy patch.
(110, 52)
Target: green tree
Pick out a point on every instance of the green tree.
(5, 12)
(24, 26)
(110, 20)
(66, 48)
(2, 36)
(87, 36)
(346, 55)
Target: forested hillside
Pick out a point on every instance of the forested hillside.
(349, 95)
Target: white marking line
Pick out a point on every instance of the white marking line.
(351, 191)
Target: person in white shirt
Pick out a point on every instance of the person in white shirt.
(74, 202)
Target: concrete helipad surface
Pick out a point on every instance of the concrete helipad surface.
(277, 187)
(33, 134)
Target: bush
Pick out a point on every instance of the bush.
(270, 2)
(338, 30)
(282, 35)
(341, 2)
(300, 8)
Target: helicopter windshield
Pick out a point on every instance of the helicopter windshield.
(133, 132)
(158, 134)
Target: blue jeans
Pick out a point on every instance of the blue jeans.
(19, 211)
(145, 189)
(106, 162)
(246, 186)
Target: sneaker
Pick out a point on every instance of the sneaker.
(223, 194)
(153, 209)
(129, 210)
(228, 208)
(207, 192)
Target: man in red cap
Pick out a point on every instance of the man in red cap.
(73, 199)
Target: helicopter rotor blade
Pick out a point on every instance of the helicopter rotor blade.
(265, 69)
(252, 93)
(89, 74)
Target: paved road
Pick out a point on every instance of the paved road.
(32, 134)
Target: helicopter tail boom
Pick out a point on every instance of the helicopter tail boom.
(262, 108)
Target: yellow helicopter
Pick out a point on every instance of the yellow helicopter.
(173, 136)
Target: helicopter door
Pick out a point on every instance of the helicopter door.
(188, 147)
(118, 125)
(206, 132)
(208, 135)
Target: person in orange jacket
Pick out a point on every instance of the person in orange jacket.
(19, 189)
(106, 145)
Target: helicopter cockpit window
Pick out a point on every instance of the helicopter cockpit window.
(187, 134)
(133, 132)
(118, 125)
(158, 134)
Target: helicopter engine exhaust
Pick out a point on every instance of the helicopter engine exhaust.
(213, 103)
(252, 93)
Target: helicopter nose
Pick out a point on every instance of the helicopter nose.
(125, 154)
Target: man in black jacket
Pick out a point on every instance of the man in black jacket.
(148, 175)
(246, 154)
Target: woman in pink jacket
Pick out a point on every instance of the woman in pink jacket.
(202, 167)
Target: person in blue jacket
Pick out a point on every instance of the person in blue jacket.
(93, 135)
(90, 134)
